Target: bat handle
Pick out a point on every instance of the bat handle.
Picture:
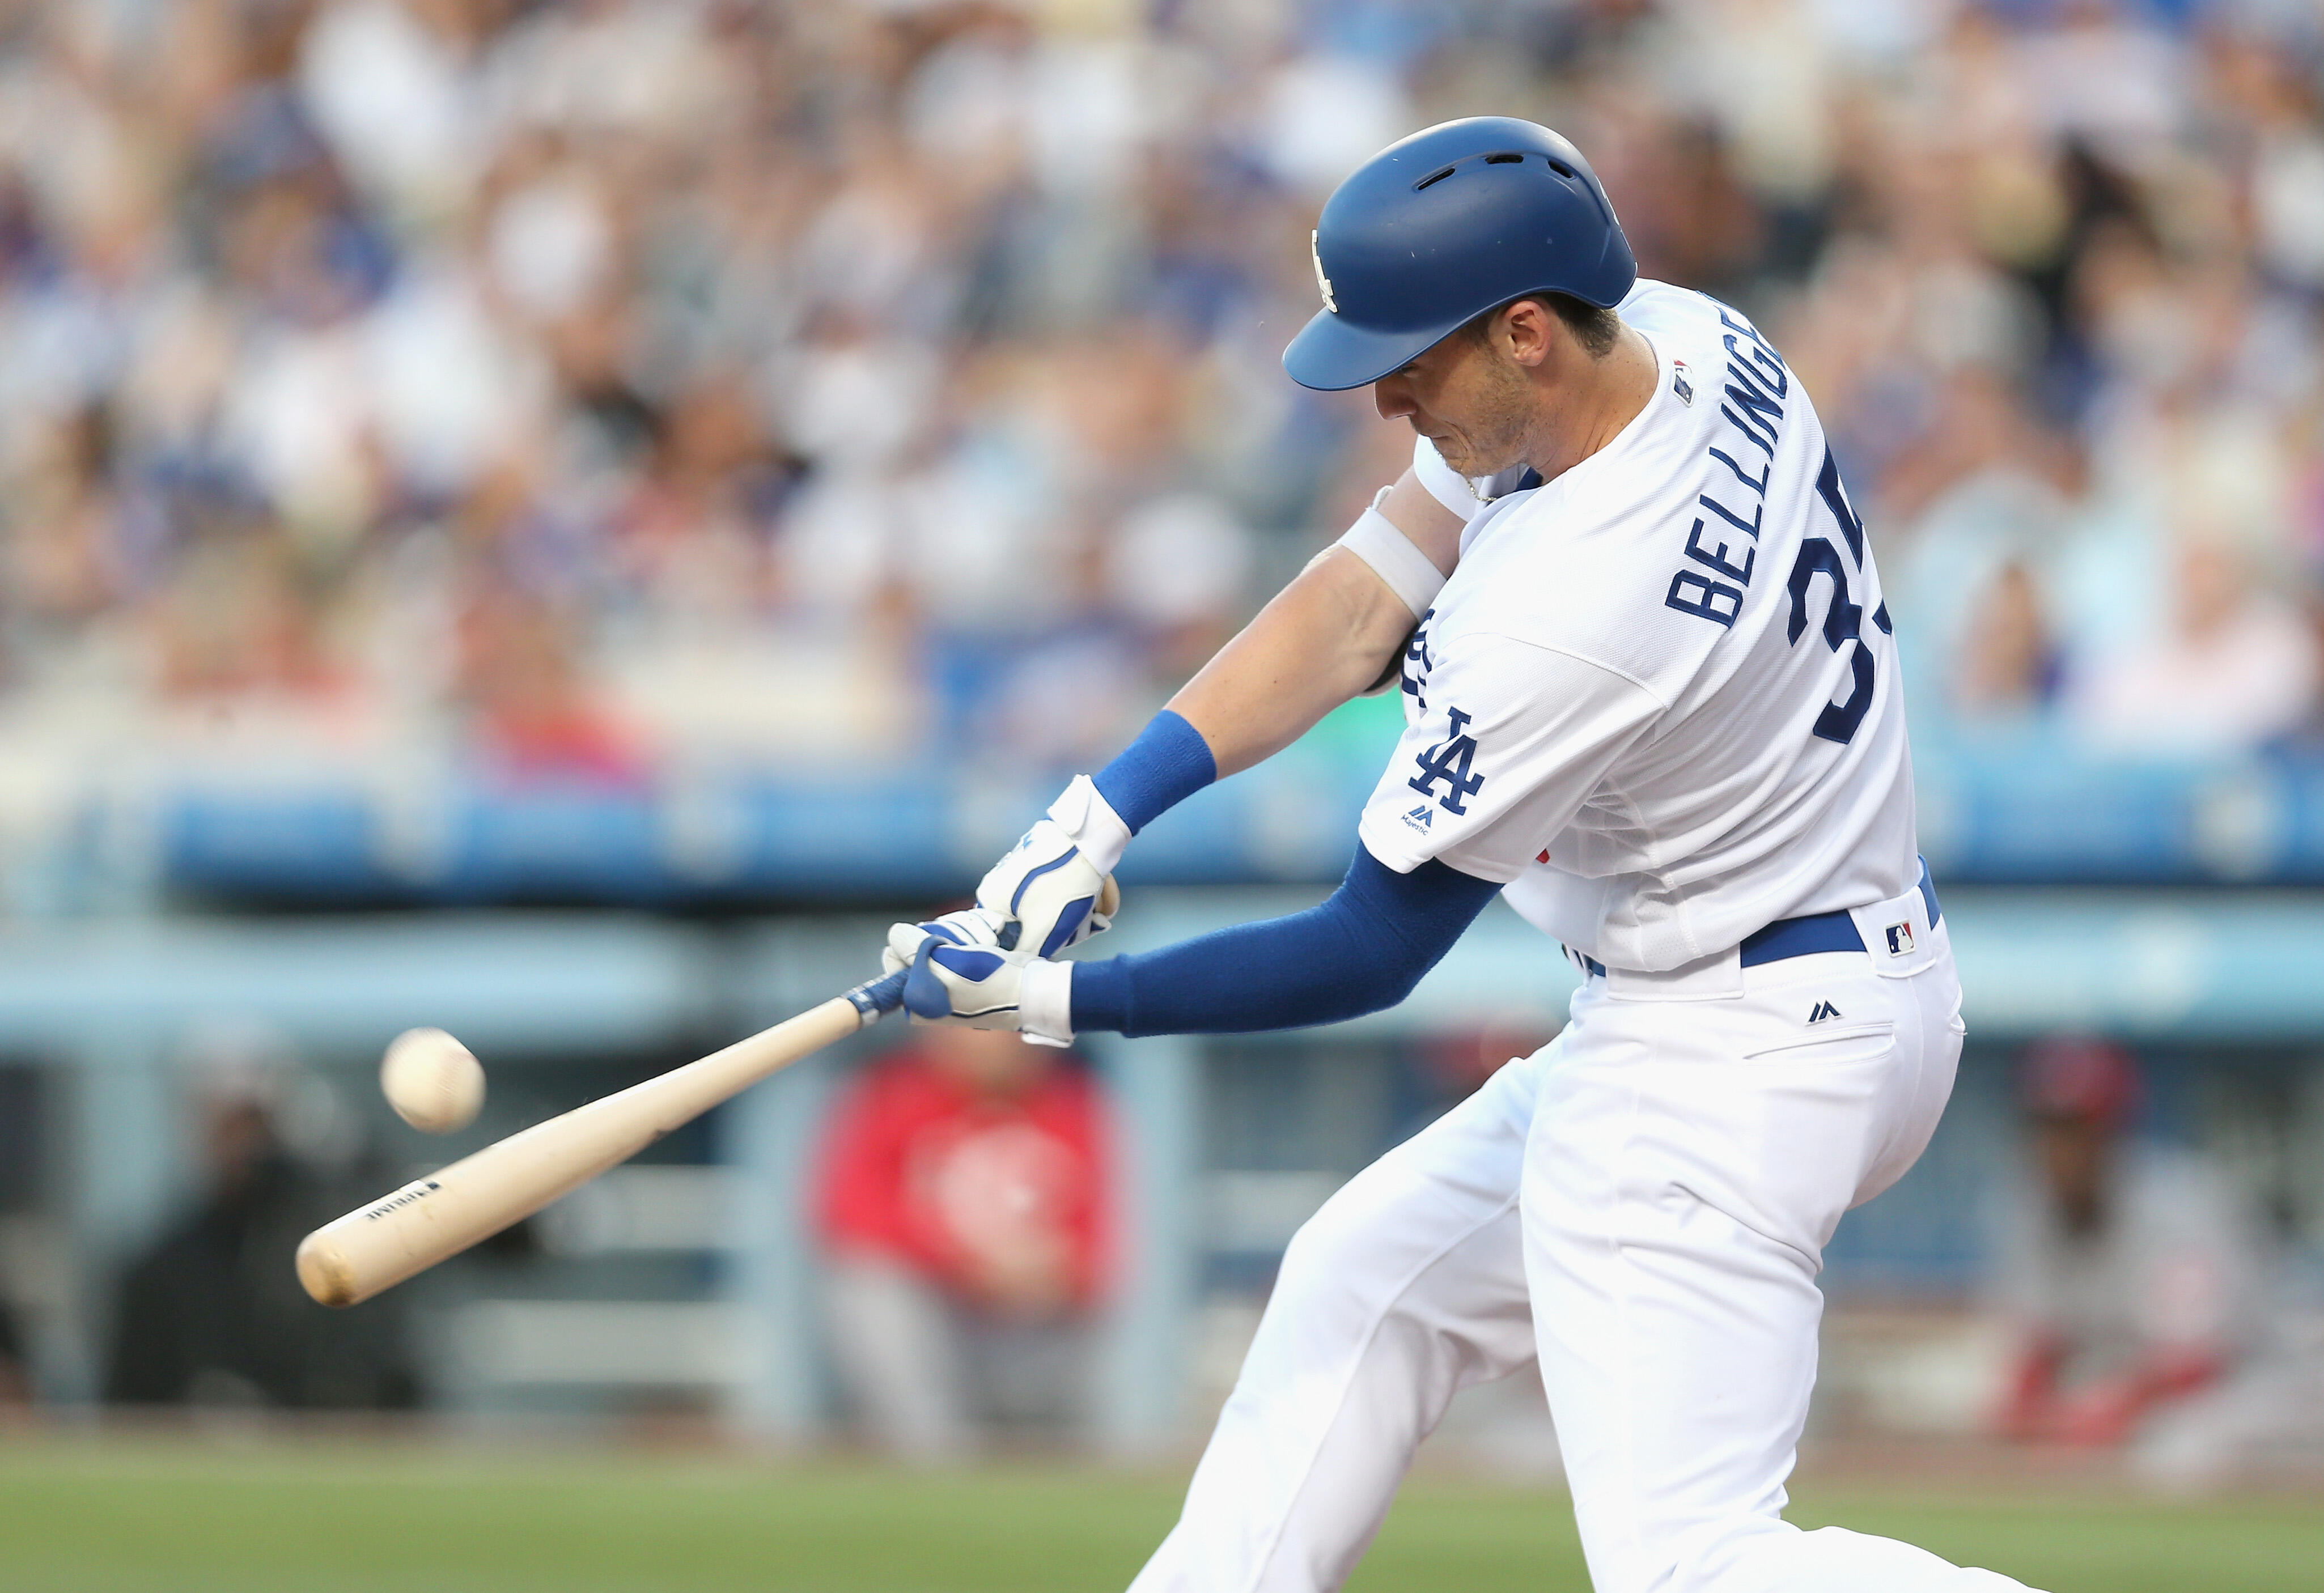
(874, 997)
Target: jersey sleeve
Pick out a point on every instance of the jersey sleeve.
(1446, 485)
(1509, 741)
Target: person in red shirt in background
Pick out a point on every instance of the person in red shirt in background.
(2130, 1271)
(965, 1209)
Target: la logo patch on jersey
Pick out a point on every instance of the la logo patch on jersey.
(1900, 939)
(1449, 761)
(1679, 382)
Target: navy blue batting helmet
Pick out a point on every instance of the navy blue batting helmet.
(1444, 225)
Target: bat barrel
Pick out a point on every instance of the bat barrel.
(434, 1218)
(325, 1272)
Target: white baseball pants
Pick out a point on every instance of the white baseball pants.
(1644, 1205)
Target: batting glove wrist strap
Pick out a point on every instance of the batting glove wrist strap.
(1088, 820)
(1044, 1002)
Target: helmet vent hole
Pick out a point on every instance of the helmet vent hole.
(1504, 159)
(1562, 168)
(1433, 177)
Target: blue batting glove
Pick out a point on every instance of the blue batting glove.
(1055, 887)
(960, 974)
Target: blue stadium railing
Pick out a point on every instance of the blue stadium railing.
(1989, 818)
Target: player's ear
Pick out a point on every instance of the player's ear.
(1525, 328)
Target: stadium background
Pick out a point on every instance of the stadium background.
(557, 519)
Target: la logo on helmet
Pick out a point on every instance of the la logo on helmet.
(1323, 282)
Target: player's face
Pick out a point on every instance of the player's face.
(2074, 1154)
(1469, 396)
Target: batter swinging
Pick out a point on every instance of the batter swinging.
(1655, 702)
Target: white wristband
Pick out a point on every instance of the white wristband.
(1044, 1002)
(1090, 823)
(1409, 572)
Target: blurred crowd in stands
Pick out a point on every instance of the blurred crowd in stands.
(580, 391)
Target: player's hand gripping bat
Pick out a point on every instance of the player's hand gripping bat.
(378, 1246)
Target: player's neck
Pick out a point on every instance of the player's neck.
(1593, 402)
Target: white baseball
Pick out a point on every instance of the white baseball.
(433, 1082)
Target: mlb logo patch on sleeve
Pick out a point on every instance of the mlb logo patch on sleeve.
(1900, 939)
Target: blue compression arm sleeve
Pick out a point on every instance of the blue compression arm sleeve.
(1359, 952)
(1167, 764)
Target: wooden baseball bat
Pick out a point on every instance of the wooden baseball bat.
(431, 1219)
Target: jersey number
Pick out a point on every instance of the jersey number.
(1843, 621)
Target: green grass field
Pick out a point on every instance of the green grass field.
(116, 1515)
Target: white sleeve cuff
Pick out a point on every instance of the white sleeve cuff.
(1409, 572)
(1447, 485)
(1090, 823)
(1044, 1002)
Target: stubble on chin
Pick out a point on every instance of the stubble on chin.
(1500, 450)
(1456, 454)
(1495, 439)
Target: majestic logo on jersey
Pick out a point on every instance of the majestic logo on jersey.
(1323, 282)
(1423, 817)
(1900, 939)
(1449, 761)
(1823, 1009)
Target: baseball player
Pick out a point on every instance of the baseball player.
(1651, 697)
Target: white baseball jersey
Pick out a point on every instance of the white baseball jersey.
(1658, 698)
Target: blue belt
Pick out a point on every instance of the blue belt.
(1801, 937)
